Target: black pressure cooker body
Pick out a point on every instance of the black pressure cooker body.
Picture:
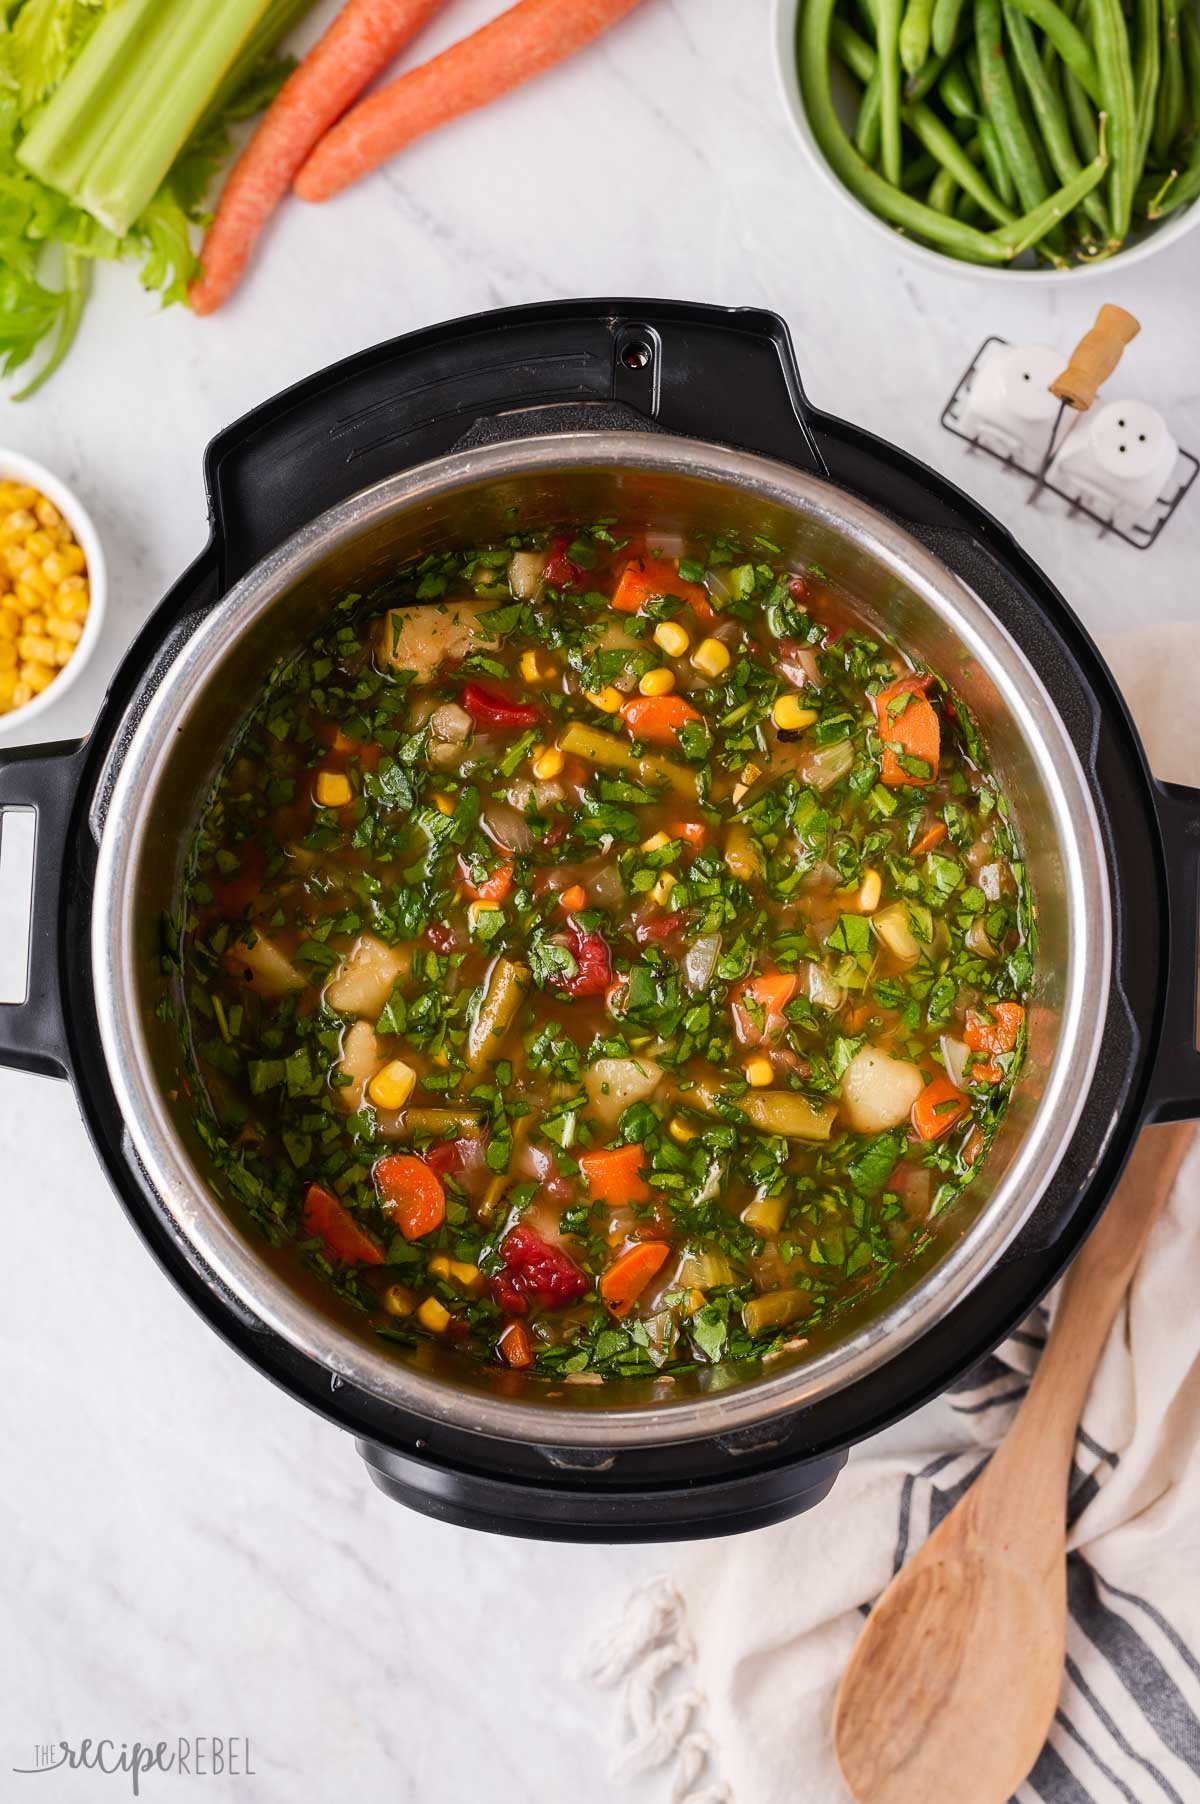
(723, 375)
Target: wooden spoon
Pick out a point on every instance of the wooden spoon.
(952, 1688)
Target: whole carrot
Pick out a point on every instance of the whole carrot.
(523, 42)
(362, 40)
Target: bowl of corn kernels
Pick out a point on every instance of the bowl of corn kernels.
(52, 589)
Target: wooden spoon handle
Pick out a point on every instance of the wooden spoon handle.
(1095, 357)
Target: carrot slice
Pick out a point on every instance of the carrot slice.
(627, 1277)
(361, 42)
(412, 1195)
(997, 1036)
(772, 990)
(657, 718)
(909, 728)
(933, 836)
(694, 832)
(614, 1174)
(939, 1106)
(494, 888)
(645, 578)
(573, 899)
(523, 42)
(515, 1346)
(345, 1241)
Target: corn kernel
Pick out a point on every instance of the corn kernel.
(661, 893)
(398, 1299)
(759, 1072)
(22, 693)
(790, 715)
(608, 699)
(656, 842)
(18, 526)
(681, 1131)
(10, 622)
(36, 647)
(40, 545)
(17, 560)
(39, 676)
(477, 909)
(8, 682)
(434, 1316)
(68, 630)
(536, 667)
(8, 655)
(32, 590)
(548, 762)
(35, 623)
(333, 789)
(657, 682)
(672, 638)
(47, 514)
(439, 1266)
(442, 802)
(468, 1277)
(64, 651)
(712, 657)
(392, 1087)
(869, 894)
(750, 775)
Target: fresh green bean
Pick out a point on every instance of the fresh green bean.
(993, 162)
(915, 30)
(955, 93)
(1000, 102)
(863, 181)
(929, 131)
(919, 172)
(1186, 187)
(1024, 233)
(887, 47)
(1068, 40)
(942, 190)
(946, 15)
(1116, 85)
(868, 124)
(1083, 116)
(858, 56)
(1147, 64)
(1191, 65)
(1050, 114)
(1168, 116)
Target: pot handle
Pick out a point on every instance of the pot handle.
(1175, 1080)
(44, 779)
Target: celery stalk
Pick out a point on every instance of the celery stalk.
(110, 134)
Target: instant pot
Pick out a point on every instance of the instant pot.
(681, 415)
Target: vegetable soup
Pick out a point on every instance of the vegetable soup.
(603, 957)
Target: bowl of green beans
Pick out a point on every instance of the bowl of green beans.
(1028, 138)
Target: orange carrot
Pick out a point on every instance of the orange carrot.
(516, 1348)
(494, 888)
(361, 42)
(345, 1241)
(999, 1035)
(523, 42)
(939, 1106)
(614, 1175)
(772, 990)
(645, 578)
(657, 718)
(694, 832)
(573, 899)
(909, 729)
(933, 836)
(411, 1194)
(627, 1277)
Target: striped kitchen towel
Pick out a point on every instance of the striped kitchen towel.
(730, 1665)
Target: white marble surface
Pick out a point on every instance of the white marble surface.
(182, 1549)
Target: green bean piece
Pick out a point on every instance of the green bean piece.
(1190, 30)
(1049, 112)
(919, 172)
(1147, 66)
(1168, 118)
(1000, 101)
(858, 56)
(926, 78)
(867, 125)
(887, 46)
(1024, 233)
(956, 94)
(998, 170)
(929, 131)
(1116, 84)
(942, 190)
(1153, 190)
(1185, 189)
(870, 14)
(1083, 116)
(946, 15)
(862, 181)
(1068, 40)
(915, 30)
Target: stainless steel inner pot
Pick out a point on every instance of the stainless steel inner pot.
(676, 484)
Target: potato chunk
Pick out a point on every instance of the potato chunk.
(878, 1091)
(363, 981)
(612, 1084)
(360, 1060)
(264, 967)
(421, 639)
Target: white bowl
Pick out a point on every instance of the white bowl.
(1153, 238)
(15, 466)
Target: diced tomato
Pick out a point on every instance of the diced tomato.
(536, 1272)
(492, 889)
(939, 1107)
(646, 578)
(613, 1174)
(452, 1156)
(411, 1194)
(798, 588)
(515, 1346)
(657, 718)
(909, 728)
(491, 710)
(593, 964)
(345, 1241)
(440, 936)
(626, 1278)
(560, 572)
(995, 1037)
(656, 928)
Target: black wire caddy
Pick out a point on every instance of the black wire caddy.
(1142, 534)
